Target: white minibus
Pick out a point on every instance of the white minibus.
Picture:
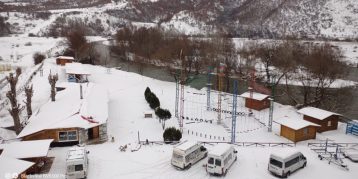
(77, 163)
(220, 158)
(285, 162)
(187, 154)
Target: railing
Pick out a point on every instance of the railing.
(332, 144)
(239, 144)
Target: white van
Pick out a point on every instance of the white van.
(220, 158)
(187, 154)
(285, 162)
(77, 163)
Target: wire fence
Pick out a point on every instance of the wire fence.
(239, 144)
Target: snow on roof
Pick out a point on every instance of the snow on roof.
(294, 123)
(70, 111)
(76, 68)
(284, 153)
(76, 153)
(219, 149)
(27, 149)
(316, 113)
(66, 57)
(256, 96)
(12, 165)
(186, 145)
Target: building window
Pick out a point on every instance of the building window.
(305, 131)
(67, 136)
(329, 124)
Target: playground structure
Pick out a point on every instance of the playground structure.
(352, 128)
(217, 107)
(332, 152)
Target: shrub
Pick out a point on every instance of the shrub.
(163, 113)
(151, 98)
(146, 93)
(38, 58)
(28, 44)
(172, 134)
(153, 101)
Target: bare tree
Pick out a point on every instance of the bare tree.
(11, 95)
(29, 93)
(52, 80)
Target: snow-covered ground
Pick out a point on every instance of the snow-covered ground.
(126, 119)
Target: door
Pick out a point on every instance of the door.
(90, 134)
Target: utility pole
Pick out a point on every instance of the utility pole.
(234, 108)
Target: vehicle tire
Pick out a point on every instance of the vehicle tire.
(235, 158)
(304, 165)
(189, 166)
(288, 174)
(224, 174)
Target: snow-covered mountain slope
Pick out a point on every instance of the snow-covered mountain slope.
(333, 19)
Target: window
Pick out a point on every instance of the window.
(67, 136)
(177, 157)
(305, 131)
(291, 162)
(217, 162)
(72, 135)
(70, 168)
(329, 123)
(78, 167)
(276, 163)
(62, 136)
(211, 161)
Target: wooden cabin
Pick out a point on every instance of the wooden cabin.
(32, 151)
(257, 101)
(71, 120)
(325, 119)
(62, 60)
(12, 168)
(75, 72)
(297, 130)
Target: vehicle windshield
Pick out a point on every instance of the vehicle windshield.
(177, 157)
(70, 168)
(218, 162)
(275, 163)
(211, 161)
(78, 167)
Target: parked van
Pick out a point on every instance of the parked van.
(187, 154)
(220, 158)
(77, 163)
(285, 162)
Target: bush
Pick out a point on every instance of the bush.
(146, 93)
(172, 134)
(38, 58)
(153, 101)
(28, 44)
(163, 113)
(151, 98)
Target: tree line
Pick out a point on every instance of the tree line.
(291, 63)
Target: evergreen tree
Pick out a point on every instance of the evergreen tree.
(172, 134)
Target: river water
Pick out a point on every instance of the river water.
(200, 81)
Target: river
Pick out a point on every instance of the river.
(200, 81)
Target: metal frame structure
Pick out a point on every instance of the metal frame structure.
(234, 109)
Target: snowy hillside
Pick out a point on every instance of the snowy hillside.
(334, 19)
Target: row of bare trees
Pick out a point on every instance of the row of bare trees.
(15, 108)
(312, 66)
(305, 70)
